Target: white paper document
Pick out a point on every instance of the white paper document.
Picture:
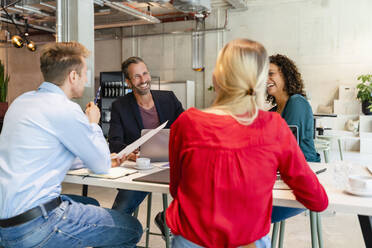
(130, 148)
(113, 173)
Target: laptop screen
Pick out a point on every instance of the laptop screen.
(294, 130)
(156, 148)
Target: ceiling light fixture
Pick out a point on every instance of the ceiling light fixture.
(31, 46)
(19, 40)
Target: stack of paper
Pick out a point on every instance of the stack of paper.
(112, 173)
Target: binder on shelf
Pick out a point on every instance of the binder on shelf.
(112, 86)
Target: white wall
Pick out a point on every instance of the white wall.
(330, 41)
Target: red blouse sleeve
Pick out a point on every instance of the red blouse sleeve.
(175, 146)
(296, 172)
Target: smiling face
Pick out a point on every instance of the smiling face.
(275, 82)
(139, 78)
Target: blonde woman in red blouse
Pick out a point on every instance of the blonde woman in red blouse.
(224, 159)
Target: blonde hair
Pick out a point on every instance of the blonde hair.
(57, 60)
(240, 77)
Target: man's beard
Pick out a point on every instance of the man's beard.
(140, 91)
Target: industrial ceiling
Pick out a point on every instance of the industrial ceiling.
(41, 14)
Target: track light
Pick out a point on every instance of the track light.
(31, 46)
(17, 41)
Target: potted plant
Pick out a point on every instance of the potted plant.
(4, 79)
(365, 93)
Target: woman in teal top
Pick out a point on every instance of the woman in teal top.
(285, 88)
(297, 111)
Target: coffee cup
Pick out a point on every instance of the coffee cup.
(143, 163)
(360, 183)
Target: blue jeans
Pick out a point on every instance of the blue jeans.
(74, 224)
(83, 199)
(180, 242)
(282, 213)
(127, 201)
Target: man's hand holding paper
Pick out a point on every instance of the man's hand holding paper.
(115, 161)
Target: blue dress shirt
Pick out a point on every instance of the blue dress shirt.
(43, 132)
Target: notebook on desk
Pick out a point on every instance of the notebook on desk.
(161, 177)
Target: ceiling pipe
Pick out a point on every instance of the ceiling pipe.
(131, 11)
(59, 21)
(238, 4)
(99, 2)
(29, 25)
(15, 10)
(121, 24)
(32, 10)
(209, 30)
(10, 4)
(48, 5)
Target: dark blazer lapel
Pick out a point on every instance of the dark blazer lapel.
(158, 106)
(135, 109)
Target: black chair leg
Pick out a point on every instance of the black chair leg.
(365, 223)
(85, 190)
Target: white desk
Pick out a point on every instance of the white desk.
(339, 200)
(122, 182)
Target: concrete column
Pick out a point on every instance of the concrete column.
(77, 24)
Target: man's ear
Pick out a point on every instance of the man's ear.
(128, 83)
(72, 76)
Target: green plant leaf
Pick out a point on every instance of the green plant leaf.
(211, 88)
(365, 88)
(4, 80)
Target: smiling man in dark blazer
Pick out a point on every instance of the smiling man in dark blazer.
(141, 109)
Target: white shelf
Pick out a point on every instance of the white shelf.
(349, 141)
(365, 124)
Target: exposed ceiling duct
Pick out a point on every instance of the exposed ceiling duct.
(37, 27)
(41, 14)
(126, 8)
(238, 4)
(196, 6)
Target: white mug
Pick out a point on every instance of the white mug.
(143, 163)
(360, 183)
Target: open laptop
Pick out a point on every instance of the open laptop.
(156, 148)
(294, 129)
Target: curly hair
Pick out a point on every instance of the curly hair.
(292, 77)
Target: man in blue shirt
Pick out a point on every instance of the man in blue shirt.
(43, 132)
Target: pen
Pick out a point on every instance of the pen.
(128, 174)
(320, 171)
(97, 95)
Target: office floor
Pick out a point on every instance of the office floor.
(340, 230)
